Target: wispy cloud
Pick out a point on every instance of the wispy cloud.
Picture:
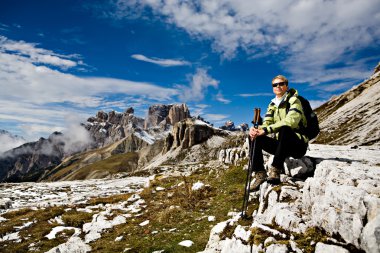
(219, 97)
(37, 97)
(199, 83)
(198, 109)
(32, 54)
(37, 93)
(216, 117)
(319, 38)
(161, 62)
(7, 142)
(332, 87)
(316, 103)
(245, 95)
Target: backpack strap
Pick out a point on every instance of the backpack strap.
(291, 94)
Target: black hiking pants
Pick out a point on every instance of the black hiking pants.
(288, 144)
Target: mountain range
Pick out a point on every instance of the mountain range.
(173, 183)
(116, 142)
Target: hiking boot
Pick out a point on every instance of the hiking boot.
(274, 175)
(260, 177)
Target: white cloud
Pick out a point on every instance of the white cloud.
(198, 109)
(309, 36)
(36, 97)
(7, 142)
(30, 52)
(34, 130)
(244, 95)
(161, 62)
(199, 83)
(316, 103)
(216, 117)
(219, 97)
(75, 137)
(334, 87)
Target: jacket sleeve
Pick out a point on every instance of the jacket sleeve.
(268, 118)
(291, 119)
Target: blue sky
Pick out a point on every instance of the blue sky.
(62, 61)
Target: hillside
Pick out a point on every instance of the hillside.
(69, 156)
(178, 187)
(352, 117)
(191, 202)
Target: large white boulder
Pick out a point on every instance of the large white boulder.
(370, 237)
(338, 200)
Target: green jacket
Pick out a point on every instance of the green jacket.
(276, 117)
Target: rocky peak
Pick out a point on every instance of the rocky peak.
(166, 114)
(102, 116)
(114, 117)
(189, 132)
(129, 110)
(178, 112)
(156, 114)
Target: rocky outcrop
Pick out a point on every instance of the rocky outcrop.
(177, 113)
(107, 128)
(156, 115)
(190, 132)
(340, 198)
(161, 115)
(343, 199)
(350, 118)
(232, 155)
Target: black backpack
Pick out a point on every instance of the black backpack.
(312, 128)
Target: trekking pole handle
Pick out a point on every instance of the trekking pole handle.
(256, 117)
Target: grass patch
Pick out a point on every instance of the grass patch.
(74, 218)
(312, 234)
(125, 162)
(258, 236)
(35, 233)
(175, 214)
(110, 199)
(112, 165)
(178, 213)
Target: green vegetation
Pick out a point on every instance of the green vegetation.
(117, 163)
(110, 199)
(74, 218)
(33, 234)
(175, 214)
(178, 213)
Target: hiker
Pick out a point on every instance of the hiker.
(284, 117)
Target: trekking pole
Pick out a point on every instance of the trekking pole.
(252, 145)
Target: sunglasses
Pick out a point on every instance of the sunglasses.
(278, 84)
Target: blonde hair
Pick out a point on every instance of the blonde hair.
(283, 78)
